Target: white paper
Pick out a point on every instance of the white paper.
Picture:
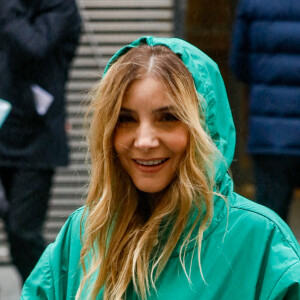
(5, 108)
(42, 99)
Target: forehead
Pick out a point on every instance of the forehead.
(148, 92)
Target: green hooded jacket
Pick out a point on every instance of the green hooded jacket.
(248, 252)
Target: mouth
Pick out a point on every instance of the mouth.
(150, 163)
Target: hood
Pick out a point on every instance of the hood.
(209, 84)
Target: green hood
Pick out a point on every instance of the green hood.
(210, 85)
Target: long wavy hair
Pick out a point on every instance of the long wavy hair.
(125, 242)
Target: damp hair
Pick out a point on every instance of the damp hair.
(122, 247)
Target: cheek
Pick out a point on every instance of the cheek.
(119, 142)
(119, 149)
(121, 145)
(180, 141)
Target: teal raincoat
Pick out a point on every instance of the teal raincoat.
(248, 252)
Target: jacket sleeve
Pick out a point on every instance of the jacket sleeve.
(52, 22)
(40, 283)
(288, 286)
(239, 58)
(56, 275)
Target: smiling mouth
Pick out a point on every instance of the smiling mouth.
(150, 163)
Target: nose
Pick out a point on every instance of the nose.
(146, 137)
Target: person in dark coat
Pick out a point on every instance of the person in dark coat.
(38, 39)
(265, 54)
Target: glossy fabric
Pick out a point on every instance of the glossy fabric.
(247, 252)
(266, 55)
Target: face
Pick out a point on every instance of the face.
(149, 139)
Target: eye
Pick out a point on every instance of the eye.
(169, 117)
(126, 119)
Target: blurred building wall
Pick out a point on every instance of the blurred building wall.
(208, 26)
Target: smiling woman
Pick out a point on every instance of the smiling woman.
(153, 130)
(161, 219)
(150, 142)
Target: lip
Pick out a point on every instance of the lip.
(150, 168)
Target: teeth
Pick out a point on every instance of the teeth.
(150, 162)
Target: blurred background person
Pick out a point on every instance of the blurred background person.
(5, 108)
(265, 55)
(37, 43)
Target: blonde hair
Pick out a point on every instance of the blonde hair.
(121, 246)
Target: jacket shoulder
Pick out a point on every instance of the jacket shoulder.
(72, 225)
(259, 217)
(267, 246)
(67, 244)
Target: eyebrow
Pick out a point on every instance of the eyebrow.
(158, 110)
(124, 109)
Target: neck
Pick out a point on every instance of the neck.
(147, 203)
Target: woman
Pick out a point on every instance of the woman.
(161, 219)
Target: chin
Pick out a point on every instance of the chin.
(151, 189)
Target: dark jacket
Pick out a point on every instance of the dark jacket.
(266, 55)
(37, 43)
